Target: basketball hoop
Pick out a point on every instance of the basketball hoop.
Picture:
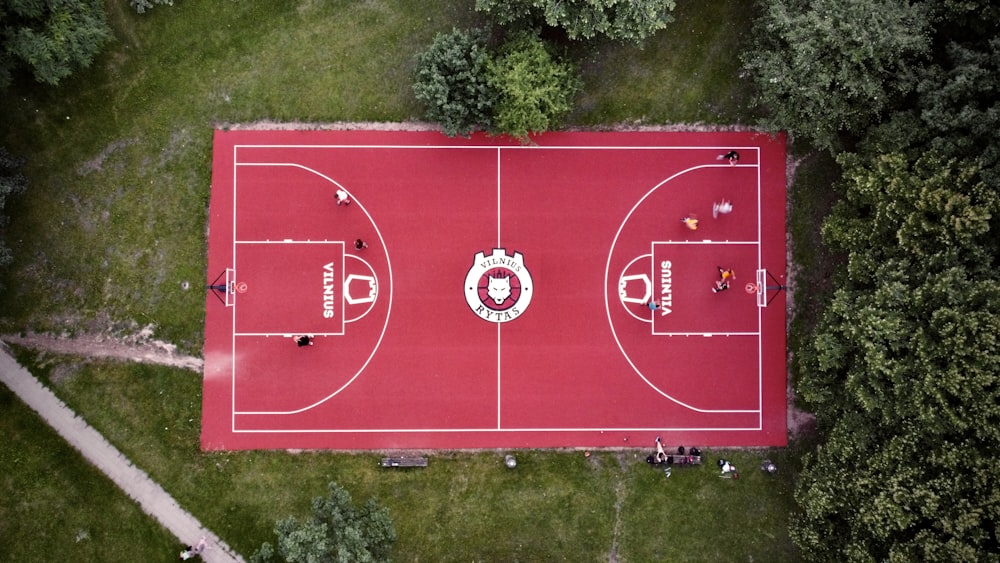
(241, 287)
(752, 288)
(224, 289)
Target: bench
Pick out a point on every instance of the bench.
(684, 459)
(404, 462)
(675, 459)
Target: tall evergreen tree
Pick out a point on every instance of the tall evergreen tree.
(452, 81)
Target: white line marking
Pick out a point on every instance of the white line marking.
(607, 309)
(501, 430)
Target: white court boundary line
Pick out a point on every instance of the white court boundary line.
(499, 150)
(509, 429)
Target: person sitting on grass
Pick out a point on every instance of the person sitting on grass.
(728, 469)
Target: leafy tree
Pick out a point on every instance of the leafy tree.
(619, 20)
(960, 102)
(904, 372)
(535, 90)
(336, 532)
(897, 499)
(452, 82)
(12, 182)
(828, 67)
(53, 38)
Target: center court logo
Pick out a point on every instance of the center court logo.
(498, 287)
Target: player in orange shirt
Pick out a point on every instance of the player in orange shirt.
(725, 277)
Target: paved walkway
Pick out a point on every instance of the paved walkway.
(135, 482)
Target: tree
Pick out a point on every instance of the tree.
(960, 102)
(619, 20)
(336, 532)
(535, 90)
(898, 498)
(53, 38)
(904, 370)
(453, 84)
(828, 67)
(12, 182)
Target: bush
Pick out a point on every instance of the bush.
(453, 83)
(535, 89)
(337, 531)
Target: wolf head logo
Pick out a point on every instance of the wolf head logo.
(498, 289)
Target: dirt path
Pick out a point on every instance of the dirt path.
(142, 350)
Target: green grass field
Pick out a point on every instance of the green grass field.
(555, 505)
(114, 222)
(58, 507)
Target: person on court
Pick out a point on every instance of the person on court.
(690, 222)
(725, 276)
(343, 198)
(303, 340)
(360, 244)
(723, 207)
(732, 156)
(653, 305)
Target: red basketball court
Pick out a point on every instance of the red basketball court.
(501, 300)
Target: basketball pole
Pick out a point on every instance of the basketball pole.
(216, 288)
(775, 288)
(755, 288)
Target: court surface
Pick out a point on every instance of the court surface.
(501, 299)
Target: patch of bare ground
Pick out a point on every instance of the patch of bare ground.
(638, 126)
(800, 423)
(97, 163)
(267, 125)
(136, 349)
(617, 531)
